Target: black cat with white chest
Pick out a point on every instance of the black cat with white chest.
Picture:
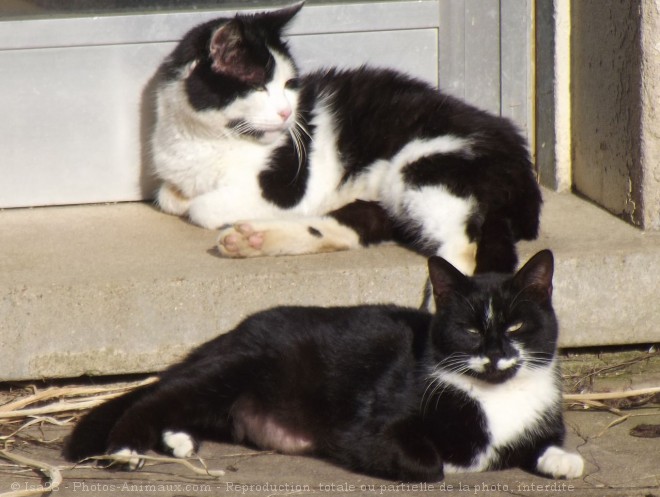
(383, 390)
(286, 163)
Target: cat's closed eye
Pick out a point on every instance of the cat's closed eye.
(473, 331)
(292, 84)
(515, 327)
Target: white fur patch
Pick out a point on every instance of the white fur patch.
(326, 169)
(510, 407)
(558, 463)
(443, 218)
(478, 364)
(489, 311)
(180, 444)
(503, 364)
(130, 458)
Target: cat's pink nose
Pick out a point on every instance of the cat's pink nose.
(284, 114)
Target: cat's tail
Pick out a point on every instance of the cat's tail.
(90, 436)
(496, 246)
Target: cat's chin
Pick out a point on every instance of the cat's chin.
(269, 136)
(496, 377)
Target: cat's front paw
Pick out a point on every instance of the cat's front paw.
(558, 463)
(179, 444)
(171, 200)
(241, 240)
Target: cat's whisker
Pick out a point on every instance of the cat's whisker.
(301, 124)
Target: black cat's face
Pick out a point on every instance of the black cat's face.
(238, 73)
(492, 326)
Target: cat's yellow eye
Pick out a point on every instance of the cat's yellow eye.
(472, 331)
(514, 327)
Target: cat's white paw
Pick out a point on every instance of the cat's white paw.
(286, 237)
(180, 444)
(171, 200)
(558, 463)
(129, 458)
(241, 240)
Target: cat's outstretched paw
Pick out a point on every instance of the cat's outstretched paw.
(128, 459)
(286, 237)
(241, 240)
(558, 463)
(179, 444)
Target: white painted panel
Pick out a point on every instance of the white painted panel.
(150, 28)
(70, 127)
(412, 51)
(482, 54)
(452, 47)
(516, 68)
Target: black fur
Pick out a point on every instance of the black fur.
(371, 222)
(284, 182)
(357, 383)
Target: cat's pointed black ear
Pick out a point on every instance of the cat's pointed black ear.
(445, 279)
(230, 54)
(278, 19)
(535, 277)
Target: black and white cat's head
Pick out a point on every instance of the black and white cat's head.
(237, 73)
(492, 326)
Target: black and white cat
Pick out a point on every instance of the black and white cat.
(384, 390)
(289, 164)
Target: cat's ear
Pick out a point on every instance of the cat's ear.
(535, 277)
(445, 279)
(278, 19)
(230, 55)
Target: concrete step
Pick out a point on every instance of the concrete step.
(123, 288)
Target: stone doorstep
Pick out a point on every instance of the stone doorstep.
(123, 288)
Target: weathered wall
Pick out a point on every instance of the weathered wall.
(650, 96)
(615, 89)
(605, 114)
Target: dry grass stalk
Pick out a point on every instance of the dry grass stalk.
(87, 397)
(76, 391)
(36, 420)
(51, 472)
(123, 459)
(579, 397)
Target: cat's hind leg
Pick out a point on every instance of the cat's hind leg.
(286, 237)
(359, 223)
(441, 224)
(169, 420)
(401, 451)
(178, 444)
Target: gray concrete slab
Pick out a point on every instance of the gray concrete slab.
(123, 288)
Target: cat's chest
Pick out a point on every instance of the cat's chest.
(201, 164)
(512, 407)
